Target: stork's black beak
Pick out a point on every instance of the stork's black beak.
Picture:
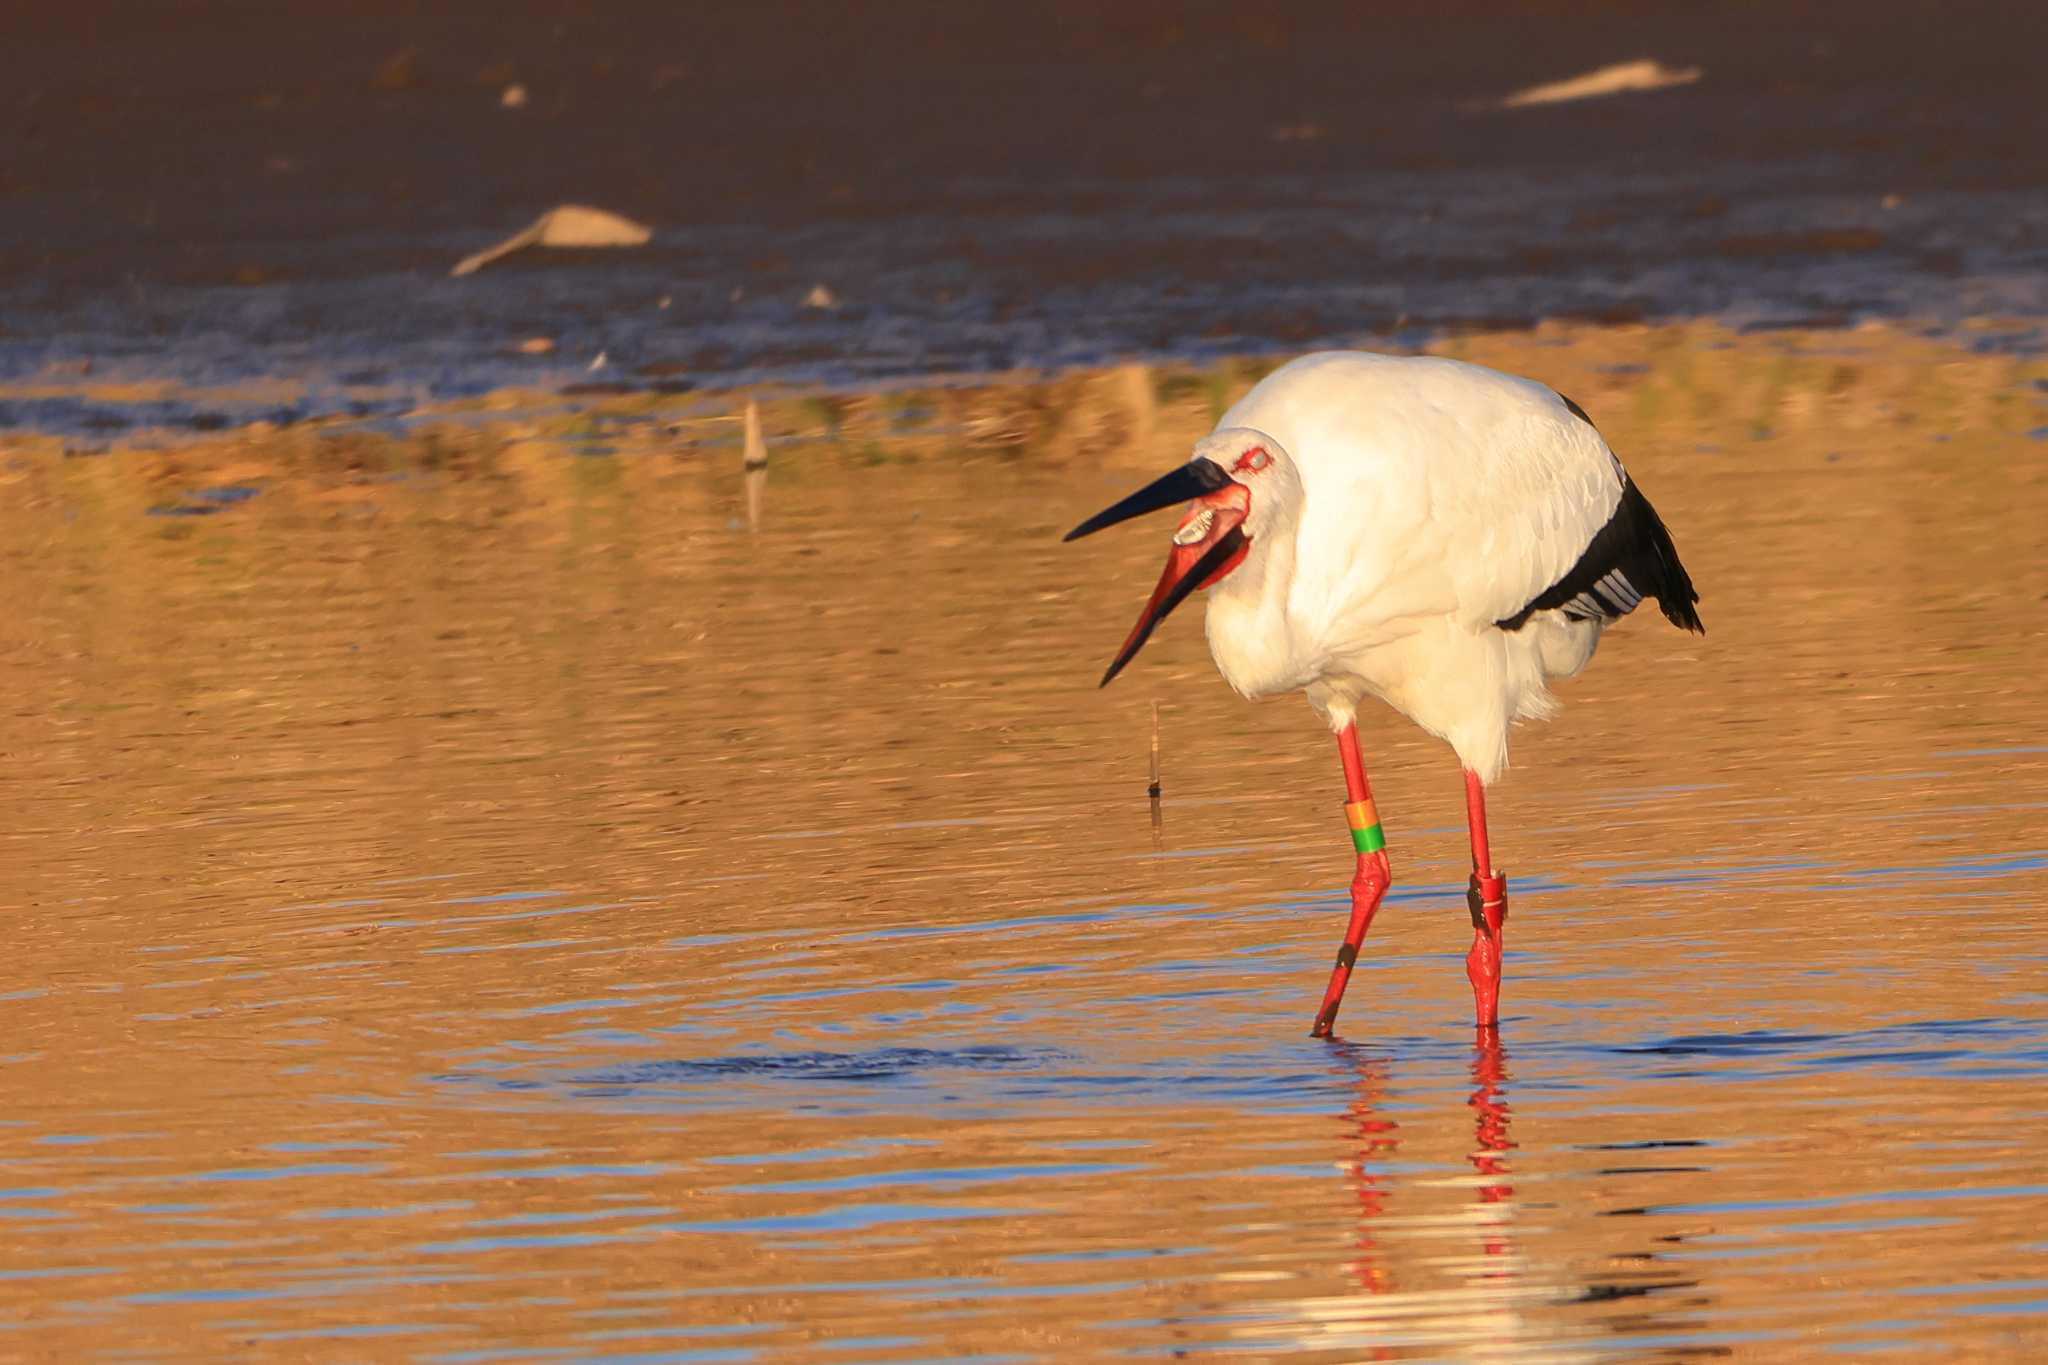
(1208, 545)
(1190, 481)
(1188, 567)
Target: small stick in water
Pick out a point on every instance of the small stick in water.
(1153, 790)
(754, 459)
(753, 450)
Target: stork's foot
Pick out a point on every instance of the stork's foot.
(1368, 888)
(1487, 898)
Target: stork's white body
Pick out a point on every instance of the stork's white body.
(1441, 536)
(1438, 498)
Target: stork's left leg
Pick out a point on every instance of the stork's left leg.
(1487, 897)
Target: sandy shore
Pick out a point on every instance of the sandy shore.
(1863, 388)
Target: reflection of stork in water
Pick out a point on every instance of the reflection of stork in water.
(1405, 1248)
(1403, 1244)
(1378, 1138)
(1409, 1259)
(1491, 1142)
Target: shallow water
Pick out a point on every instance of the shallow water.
(497, 908)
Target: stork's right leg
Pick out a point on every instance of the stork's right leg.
(1488, 898)
(1367, 888)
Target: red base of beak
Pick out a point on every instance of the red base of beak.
(1193, 564)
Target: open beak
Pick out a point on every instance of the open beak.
(1209, 543)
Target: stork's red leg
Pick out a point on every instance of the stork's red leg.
(1487, 897)
(1374, 876)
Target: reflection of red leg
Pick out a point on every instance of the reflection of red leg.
(1487, 897)
(1378, 1138)
(1374, 876)
(1490, 1137)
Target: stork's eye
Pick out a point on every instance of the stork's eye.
(1254, 459)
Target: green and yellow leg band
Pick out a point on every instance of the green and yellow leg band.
(1366, 834)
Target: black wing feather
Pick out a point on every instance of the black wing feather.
(1631, 558)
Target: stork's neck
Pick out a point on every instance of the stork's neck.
(1251, 637)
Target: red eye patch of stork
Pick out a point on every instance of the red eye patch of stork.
(1252, 461)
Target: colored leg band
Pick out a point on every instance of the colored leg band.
(1366, 834)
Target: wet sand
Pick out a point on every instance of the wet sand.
(222, 196)
(475, 900)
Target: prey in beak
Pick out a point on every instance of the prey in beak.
(1208, 544)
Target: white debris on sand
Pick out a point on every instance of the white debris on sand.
(572, 225)
(1622, 78)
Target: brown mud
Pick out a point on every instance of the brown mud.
(226, 195)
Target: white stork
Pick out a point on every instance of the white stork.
(1441, 536)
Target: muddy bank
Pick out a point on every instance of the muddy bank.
(1857, 379)
(224, 197)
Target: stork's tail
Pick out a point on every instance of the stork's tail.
(1664, 578)
(1631, 558)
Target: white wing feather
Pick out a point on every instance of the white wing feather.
(1432, 487)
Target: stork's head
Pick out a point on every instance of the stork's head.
(1240, 484)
